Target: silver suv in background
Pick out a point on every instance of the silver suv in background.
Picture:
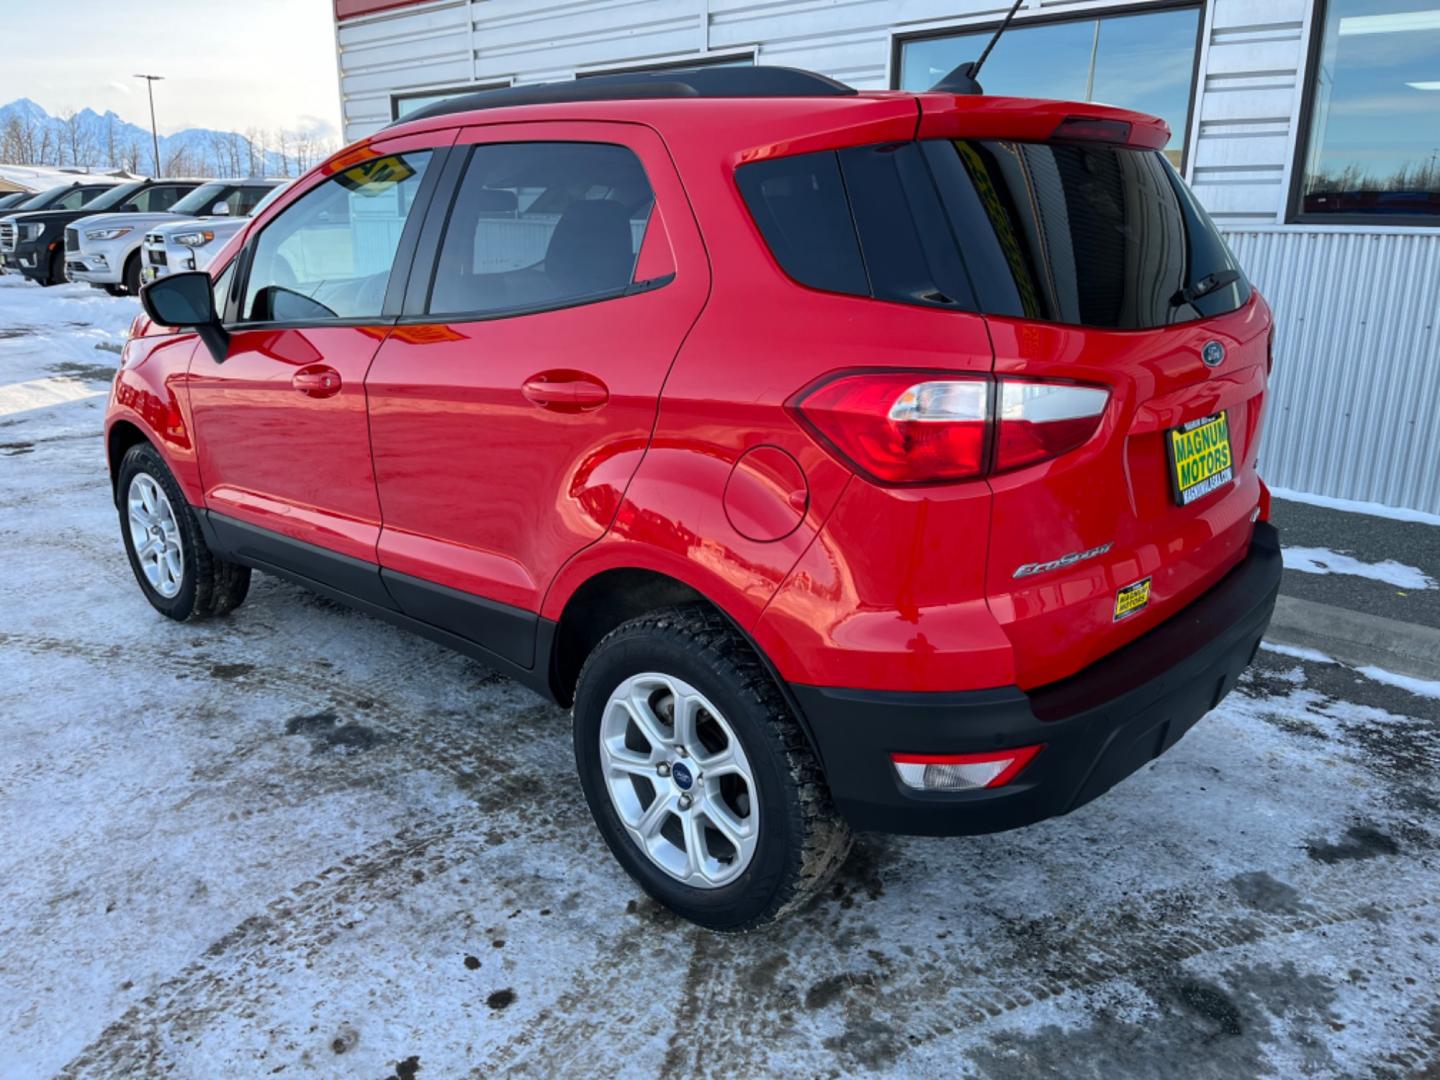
(104, 250)
(190, 245)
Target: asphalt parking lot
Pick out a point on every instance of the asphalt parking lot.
(300, 842)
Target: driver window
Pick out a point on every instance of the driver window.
(328, 256)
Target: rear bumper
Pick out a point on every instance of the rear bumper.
(1097, 727)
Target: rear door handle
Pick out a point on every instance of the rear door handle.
(317, 381)
(562, 390)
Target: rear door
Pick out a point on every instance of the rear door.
(282, 436)
(511, 407)
(1088, 259)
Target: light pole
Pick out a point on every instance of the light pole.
(150, 81)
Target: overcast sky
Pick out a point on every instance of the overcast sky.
(229, 64)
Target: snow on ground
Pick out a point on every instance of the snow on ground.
(1314, 560)
(1421, 687)
(299, 841)
(1353, 506)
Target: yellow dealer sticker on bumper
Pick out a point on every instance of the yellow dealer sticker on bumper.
(1132, 598)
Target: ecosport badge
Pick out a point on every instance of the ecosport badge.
(1032, 568)
(1213, 354)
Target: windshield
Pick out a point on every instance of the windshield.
(201, 200)
(271, 196)
(113, 198)
(45, 198)
(1085, 234)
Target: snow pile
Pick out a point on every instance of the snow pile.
(1324, 561)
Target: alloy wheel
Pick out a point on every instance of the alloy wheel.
(679, 780)
(155, 534)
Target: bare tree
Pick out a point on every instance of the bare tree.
(72, 134)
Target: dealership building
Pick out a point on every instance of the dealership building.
(1310, 130)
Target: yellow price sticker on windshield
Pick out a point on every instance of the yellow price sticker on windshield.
(376, 176)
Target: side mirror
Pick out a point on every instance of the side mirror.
(220, 209)
(187, 301)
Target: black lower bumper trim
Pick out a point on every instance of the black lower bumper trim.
(1097, 727)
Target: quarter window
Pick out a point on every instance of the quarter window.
(329, 254)
(1141, 61)
(539, 225)
(1373, 146)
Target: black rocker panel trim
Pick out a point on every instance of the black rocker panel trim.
(509, 631)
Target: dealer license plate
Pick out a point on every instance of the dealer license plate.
(1200, 457)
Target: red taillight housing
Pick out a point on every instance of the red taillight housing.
(913, 427)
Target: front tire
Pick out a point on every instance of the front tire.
(177, 572)
(698, 775)
(132, 275)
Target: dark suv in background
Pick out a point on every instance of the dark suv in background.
(13, 232)
(32, 242)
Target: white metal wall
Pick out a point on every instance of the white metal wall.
(1356, 308)
(1355, 400)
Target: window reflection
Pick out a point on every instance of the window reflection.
(1374, 139)
(1144, 62)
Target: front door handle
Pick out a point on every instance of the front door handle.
(317, 381)
(566, 391)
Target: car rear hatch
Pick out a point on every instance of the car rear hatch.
(1095, 267)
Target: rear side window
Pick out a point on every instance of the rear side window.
(1085, 234)
(541, 225)
(800, 207)
(157, 199)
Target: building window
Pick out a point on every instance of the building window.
(1372, 149)
(402, 105)
(1140, 61)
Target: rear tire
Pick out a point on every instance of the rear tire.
(759, 836)
(177, 572)
(132, 274)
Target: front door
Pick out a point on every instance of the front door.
(513, 403)
(281, 429)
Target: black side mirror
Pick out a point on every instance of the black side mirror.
(187, 301)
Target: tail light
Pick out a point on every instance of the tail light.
(902, 427)
(962, 772)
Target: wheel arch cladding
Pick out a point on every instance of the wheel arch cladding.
(121, 437)
(599, 605)
(618, 595)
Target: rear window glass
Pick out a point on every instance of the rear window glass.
(866, 220)
(1089, 235)
(800, 207)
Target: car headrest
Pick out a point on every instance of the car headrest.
(590, 250)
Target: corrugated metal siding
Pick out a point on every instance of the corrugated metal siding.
(1355, 400)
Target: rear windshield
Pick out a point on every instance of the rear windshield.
(1084, 234)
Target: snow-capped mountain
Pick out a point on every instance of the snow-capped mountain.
(30, 135)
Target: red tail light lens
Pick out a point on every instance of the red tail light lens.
(1043, 420)
(902, 428)
(908, 427)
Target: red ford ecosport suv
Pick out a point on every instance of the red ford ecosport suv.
(849, 460)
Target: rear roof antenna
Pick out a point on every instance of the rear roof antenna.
(962, 79)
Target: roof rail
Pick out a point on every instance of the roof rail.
(698, 82)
